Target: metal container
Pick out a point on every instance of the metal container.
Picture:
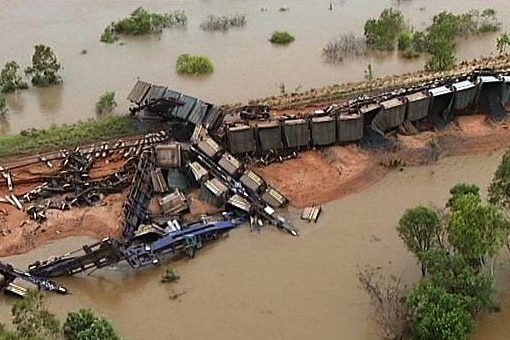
(273, 198)
(323, 131)
(252, 181)
(241, 139)
(269, 136)
(209, 147)
(417, 106)
(169, 155)
(230, 164)
(350, 127)
(391, 116)
(214, 191)
(297, 133)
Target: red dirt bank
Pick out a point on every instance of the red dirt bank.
(314, 177)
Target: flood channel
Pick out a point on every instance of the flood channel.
(247, 66)
(270, 285)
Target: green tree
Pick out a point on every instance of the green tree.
(499, 189)
(437, 314)
(461, 189)
(106, 103)
(477, 230)
(32, 319)
(45, 67)
(454, 274)
(10, 80)
(85, 325)
(502, 42)
(382, 33)
(420, 228)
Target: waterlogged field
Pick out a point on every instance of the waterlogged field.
(246, 64)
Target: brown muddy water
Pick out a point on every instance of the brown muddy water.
(246, 65)
(269, 285)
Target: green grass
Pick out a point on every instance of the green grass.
(106, 103)
(194, 65)
(281, 37)
(56, 137)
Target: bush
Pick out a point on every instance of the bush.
(194, 65)
(223, 23)
(10, 80)
(170, 276)
(281, 37)
(83, 324)
(109, 35)
(45, 67)
(143, 22)
(106, 103)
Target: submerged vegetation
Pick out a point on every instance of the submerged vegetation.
(194, 65)
(170, 276)
(45, 67)
(345, 46)
(438, 39)
(142, 21)
(106, 103)
(457, 251)
(30, 141)
(502, 42)
(10, 80)
(32, 320)
(3, 105)
(223, 23)
(281, 38)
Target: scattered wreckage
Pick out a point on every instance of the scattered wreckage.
(153, 167)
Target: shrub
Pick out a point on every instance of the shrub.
(10, 80)
(109, 35)
(281, 37)
(194, 65)
(170, 276)
(223, 23)
(346, 45)
(45, 67)
(142, 21)
(106, 102)
(84, 324)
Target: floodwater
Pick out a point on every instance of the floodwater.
(247, 66)
(270, 285)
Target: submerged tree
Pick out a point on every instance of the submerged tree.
(420, 228)
(382, 33)
(45, 67)
(438, 314)
(10, 80)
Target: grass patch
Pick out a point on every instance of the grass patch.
(281, 37)
(223, 23)
(194, 65)
(56, 137)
